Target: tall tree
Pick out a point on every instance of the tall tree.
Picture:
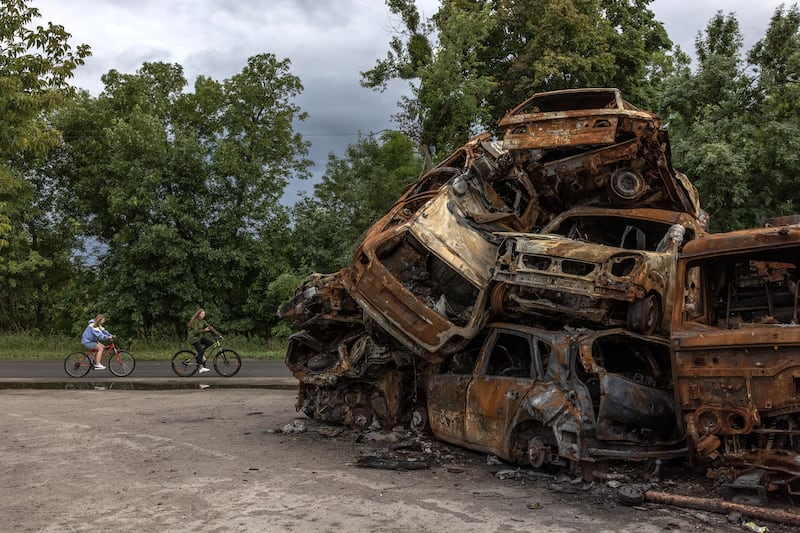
(182, 187)
(731, 121)
(36, 64)
(775, 110)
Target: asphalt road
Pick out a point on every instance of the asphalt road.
(269, 373)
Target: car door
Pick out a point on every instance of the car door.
(506, 372)
(446, 393)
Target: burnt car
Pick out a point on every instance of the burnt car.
(598, 266)
(592, 147)
(345, 375)
(422, 271)
(574, 398)
(736, 346)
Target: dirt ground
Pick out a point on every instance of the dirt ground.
(229, 460)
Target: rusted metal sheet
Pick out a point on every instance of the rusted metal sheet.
(736, 351)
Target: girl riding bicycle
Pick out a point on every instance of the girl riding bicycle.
(197, 328)
(93, 337)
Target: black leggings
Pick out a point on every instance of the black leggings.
(201, 346)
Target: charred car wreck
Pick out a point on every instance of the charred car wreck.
(736, 352)
(555, 299)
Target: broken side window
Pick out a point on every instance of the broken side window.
(464, 361)
(759, 288)
(510, 356)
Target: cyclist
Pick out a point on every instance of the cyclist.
(93, 339)
(197, 328)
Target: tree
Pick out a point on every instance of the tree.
(35, 67)
(731, 121)
(449, 100)
(181, 188)
(489, 56)
(355, 191)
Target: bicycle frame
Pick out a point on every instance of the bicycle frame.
(120, 362)
(226, 361)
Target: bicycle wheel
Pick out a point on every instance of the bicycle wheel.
(121, 363)
(184, 363)
(227, 363)
(77, 364)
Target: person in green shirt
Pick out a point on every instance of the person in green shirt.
(198, 327)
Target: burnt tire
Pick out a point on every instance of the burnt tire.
(644, 316)
(359, 418)
(419, 420)
(630, 495)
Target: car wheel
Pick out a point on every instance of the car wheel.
(644, 315)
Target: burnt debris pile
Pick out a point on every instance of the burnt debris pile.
(554, 298)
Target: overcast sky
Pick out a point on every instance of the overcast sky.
(329, 42)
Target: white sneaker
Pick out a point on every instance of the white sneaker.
(99, 367)
(203, 369)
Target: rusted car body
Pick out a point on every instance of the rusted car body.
(598, 266)
(591, 147)
(573, 398)
(736, 351)
(422, 271)
(575, 117)
(345, 374)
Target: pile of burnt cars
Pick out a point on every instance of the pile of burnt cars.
(554, 298)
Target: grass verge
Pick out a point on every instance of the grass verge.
(28, 346)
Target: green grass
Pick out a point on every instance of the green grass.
(31, 346)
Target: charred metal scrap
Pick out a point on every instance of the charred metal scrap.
(555, 299)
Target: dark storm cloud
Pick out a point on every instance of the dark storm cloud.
(329, 42)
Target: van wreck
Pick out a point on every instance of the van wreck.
(736, 351)
(555, 299)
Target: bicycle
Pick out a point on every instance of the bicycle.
(226, 361)
(119, 362)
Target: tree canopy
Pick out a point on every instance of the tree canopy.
(181, 188)
(476, 59)
(731, 120)
(36, 64)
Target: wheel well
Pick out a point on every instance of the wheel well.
(523, 433)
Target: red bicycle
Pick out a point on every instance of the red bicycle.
(119, 362)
